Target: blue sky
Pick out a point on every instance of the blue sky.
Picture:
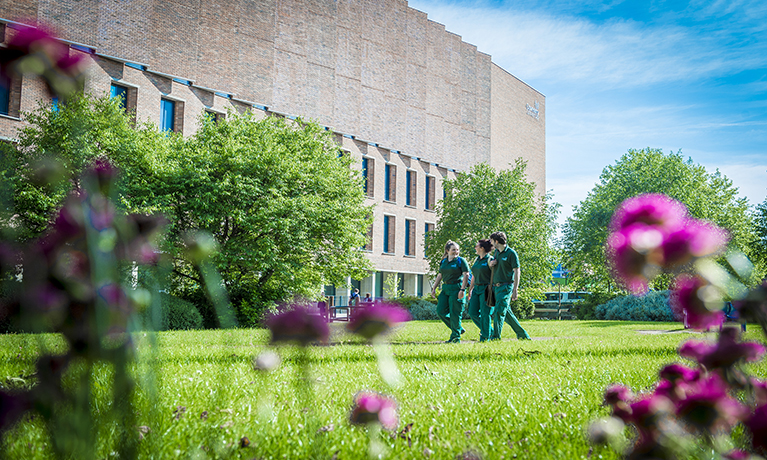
(689, 75)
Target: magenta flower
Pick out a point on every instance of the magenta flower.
(619, 398)
(677, 372)
(737, 455)
(371, 407)
(725, 353)
(651, 209)
(757, 424)
(710, 408)
(634, 256)
(760, 390)
(693, 295)
(695, 239)
(299, 325)
(379, 319)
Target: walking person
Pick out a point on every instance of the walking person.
(479, 311)
(506, 286)
(454, 274)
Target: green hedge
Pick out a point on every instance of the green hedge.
(176, 314)
(652, 306)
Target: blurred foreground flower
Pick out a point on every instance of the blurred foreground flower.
(300, 325)
(376, 320)
(700, 302)
(723, 354)
(651, 233)
(370, 407)
(35, 51)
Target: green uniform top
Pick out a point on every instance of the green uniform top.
(452, 271)
(507, 262)
(481, 270)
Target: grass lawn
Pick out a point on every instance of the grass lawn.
(505, 399)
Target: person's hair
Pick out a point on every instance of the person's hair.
(499, 237)
(485, 245)
(356, 290)
(448, 245)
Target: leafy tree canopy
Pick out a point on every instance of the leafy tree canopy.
(483, 201)
(286, 210)
(759, 247)
(709, 196)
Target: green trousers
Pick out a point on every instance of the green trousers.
(450, 309)
(503, 313)
(480, 313)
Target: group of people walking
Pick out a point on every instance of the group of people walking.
(494, 273)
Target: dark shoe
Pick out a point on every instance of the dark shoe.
(524, 338)
(453, 341)
(462, 331)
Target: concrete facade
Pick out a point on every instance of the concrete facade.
(396, 87)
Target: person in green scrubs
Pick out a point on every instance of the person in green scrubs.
(479, 312)
(454, 274)
(506, 286)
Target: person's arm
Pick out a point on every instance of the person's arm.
(464, 282)
(514, 292)
(436, 283)
(471, 288)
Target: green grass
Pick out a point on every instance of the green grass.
(506, 399)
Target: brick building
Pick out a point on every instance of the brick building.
(410, 101)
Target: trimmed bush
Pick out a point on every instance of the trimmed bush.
(420, 308)
(653, 306)
(177, 314)
(586, 309)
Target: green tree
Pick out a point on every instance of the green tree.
(759, 247)
(483, 201)
(709, 196)
(279, 197)
(56, 146)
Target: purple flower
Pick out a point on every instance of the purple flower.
(710, 408)
(677, 372)
(737, 455)
(370, 322)
(757, 424)
(12, 408)
(634, 255)
(372, 407)
(760, 390)
(725, 353)
(693, 295)
(298, 325)
(695, 239)
(619, 397)
(651, 209)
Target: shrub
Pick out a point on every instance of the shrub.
(586, 309)
(177, 314)
(653, 306)
(420, 308)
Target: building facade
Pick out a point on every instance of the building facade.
(411, 102)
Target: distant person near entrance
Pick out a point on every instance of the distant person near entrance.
(354, 299)
(454, 274)
(506, 286)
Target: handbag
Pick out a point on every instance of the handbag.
(489, 291)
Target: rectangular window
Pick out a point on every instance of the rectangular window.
(389, 232)
(121, 92)
(428, 228)
(430, 189)
(390, 183)
(411, 188)
(10, 96)
(5, 95)
(215, 116)
(369, 243)
(420, 286)
(409, 237)
(379, 285)
(167, 115)
(368, 173)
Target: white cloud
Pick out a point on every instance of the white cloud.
(536, 46)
